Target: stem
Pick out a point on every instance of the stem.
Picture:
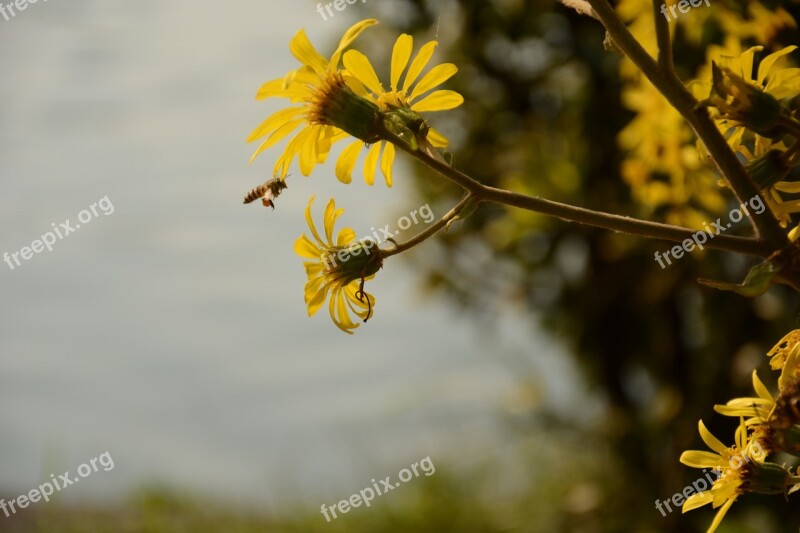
(622, 224)
(674, 91)
(429, 231)
(665, 59)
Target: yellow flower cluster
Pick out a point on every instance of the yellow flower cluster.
(768, 424)
(662, 167)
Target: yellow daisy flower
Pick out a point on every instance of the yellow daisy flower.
(327, 109)
(402, 99)
(338, 268)
(733, 464)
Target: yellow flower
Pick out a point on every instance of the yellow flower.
(338, 268)
(733, 465)
(756, 409)
(327, 109)
(401, 99)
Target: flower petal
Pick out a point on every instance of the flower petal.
(308, 149)
(359, 66)
(418, 65)
(386, 163)
(761, 389)
(330, 216)
(347, 161)
(720, 515)
(275, 121)
(435, 76)
(345, 237)
(401, 53)
(371, 163)
(305, 248)
(305, 53)
(701, 459)
(697, 500)
(438, 101)
(316, 291)
(437, 139)
(277, 136)
(768, 62)
(311, 226)
(710, 440)
(348, 38)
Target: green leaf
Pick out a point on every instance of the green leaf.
(758, 280)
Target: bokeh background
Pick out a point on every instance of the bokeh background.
(553, 374)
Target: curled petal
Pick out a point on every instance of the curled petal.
(386, 163)
(347, 161)
(348, 38)
(304, 51)
(710, 440)
(371, 163)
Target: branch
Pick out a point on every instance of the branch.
(673, 90)
(430, 230)
(665, 59)
(618, 223)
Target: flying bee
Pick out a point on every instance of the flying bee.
(267, 191)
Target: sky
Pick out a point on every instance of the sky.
(171, 332)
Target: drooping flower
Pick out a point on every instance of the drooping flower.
(326, 109)
(338, 268)
(741, 468)
(403, 103)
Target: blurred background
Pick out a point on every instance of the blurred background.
(553, 374)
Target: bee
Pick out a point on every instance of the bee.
(267, 191)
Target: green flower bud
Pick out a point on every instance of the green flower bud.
(359, 260)
(766, 478)
(738, 100)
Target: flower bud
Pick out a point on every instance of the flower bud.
(743, 102)
(359, 260)
(766, 478)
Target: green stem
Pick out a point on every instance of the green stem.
(430, 230)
